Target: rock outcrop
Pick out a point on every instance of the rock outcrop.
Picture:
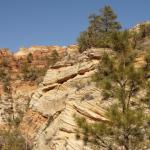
(66, 91)
(39, 50)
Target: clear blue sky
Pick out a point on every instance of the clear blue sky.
(58, 22)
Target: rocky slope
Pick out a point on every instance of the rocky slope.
(65, 91)
(49, 108)
(39, 54)
(20, 90)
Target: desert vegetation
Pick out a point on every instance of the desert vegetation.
(108, 92)
(100, 28)
(53, 58)
(121, 81)
(105, 25)
(11, 137)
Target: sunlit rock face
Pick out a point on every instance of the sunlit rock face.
(39, 51)
(66, 90)
(12, 63)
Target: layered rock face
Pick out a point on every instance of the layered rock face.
(39, 50)
(40, 54)
(66, 90)
(17, 100)
(11, 77)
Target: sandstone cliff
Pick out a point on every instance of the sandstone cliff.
(65, 91)
(49, 108)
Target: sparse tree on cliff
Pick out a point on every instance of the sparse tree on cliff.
(121, 81)
(29, 58)
(99, 30)
(54, 57)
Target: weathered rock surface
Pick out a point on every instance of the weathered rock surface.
(16, 103)
(49, 109)
(37, 50)
(65, 91)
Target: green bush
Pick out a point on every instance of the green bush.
(144, 30)
(120, 41)
(12, 140)
(32, 73)
(5, 62)
(29, 73)
(98, 34)
(121, 82)
(53, 58)
(5, 78)
(29, 58)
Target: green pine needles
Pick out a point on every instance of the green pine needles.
(100, 28)
(122, 80)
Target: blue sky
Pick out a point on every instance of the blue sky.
(24, 23)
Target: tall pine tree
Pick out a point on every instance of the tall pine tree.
(121, 80)
(100, 28)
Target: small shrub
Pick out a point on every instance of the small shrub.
(5, 62)
(29, 73)
(29, 58)
(53, 58)
(87, 97)
(13, 140)
(144, 30)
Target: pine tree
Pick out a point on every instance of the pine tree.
(121, 81)
(98, 33)
(108, 20)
